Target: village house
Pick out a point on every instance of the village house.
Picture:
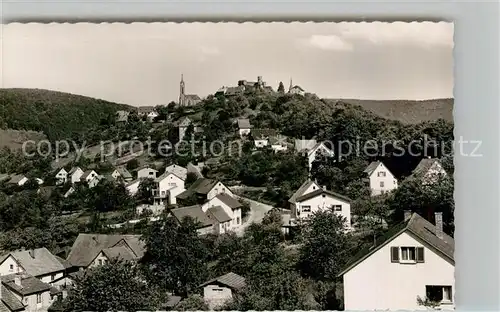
(133, 187)
(278, 143)
(145, 110)
(123, 174)
(18, 179)
(179, 171)
(380, 179)
(310, 198)
(61, 177)
(23, 292)
(75, 174)
(261, 137)
(207, 225)
(90, 250)
(168, 186)
(220, 290)
(244, 127)
(295, 89)
(196, 170)
(204, 189)
(318, 150)
(230, 206)
(90, 177)
(122, 116)
(412, 262)
(152, 115)
(147, 173)
(429, 170)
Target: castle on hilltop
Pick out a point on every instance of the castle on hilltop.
(187, 99)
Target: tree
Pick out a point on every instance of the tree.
(114, 286)
(176, 256)
(192, 303)
(190, 179)
(281, 87)
(145, 191)
(132, 164)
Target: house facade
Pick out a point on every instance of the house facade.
(320, 149)
(414, 264)
(244, 127)
(133, 187)
(168, 186)
(23, 292)
(229, 205)
(147, 173)
(61, 177)
(75, 174)
(380, 179)
(204, 190)
(429, 171)
(220, 290)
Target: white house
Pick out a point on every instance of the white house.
(184, 123)
(429, 170)
(18, 179)
(244, 127)
(147, 173)
(207, 223)
(122, 173)
(380, 178)
(70, 191)
(319, 149)
(132, 187)
(220, 290)
(23, 292)
(310, 198)
(152, 115)
(90, 177)
(296, 90)
(179, 171)
(278, 143)
(229, 205)
(261, 137)
(205, 189)
(168, 186)
(75, 174)
(61, 177)
(416, 261)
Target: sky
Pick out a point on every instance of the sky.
(141, 63)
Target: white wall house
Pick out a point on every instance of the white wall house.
(168, 186)
(380, 179)
(219, 188)
(61, 177)
(90, 177)
(231, 207)
(75, 174)
(415, 262)
(244, 127)
(133, 187)
(429, 170)
(24, 292)
(152, 115)
(296, 90)
(183, 125)
(147, 173)
(18, 180)
(320, 149)
(220, 290)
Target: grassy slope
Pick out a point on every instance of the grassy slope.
(58, 115)
(409, 112)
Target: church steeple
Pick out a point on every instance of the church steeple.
(181, 94)
(291, 86)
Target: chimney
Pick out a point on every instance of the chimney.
(32, 253)
(407, 215)
(17, 280)
(438, 216)
(324, 187)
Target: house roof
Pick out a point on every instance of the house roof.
(424, 165)
(64, 262)
(121, 252)
(10, 301)
(301, 190)
(145, 109)
(183, 121)
(44, 262)
(61, 170)
(194, 97)
(193, 169)
(73, 170)
(317, 146)
(232, 202)
(122, 115)
(244, 123)
(235, 90)
(87, 246)
(297, 87)
(301, 145)
(132, 182)
(29, 284)
(201, 186)
(231, 280)
(371, 167)
(179, 171)
(16, 178)
(86, 174)
(320, 192)
(259, 134)
(124, 173)
(415, 225)
(219, 214)
(194, 212)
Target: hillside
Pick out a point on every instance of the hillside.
(58, 115)
(408, 112)
(13, 139)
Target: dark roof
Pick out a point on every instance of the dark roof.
(193, 169)
(85, 175)
(194, 212)
(301, 190)
(29, 284)
(194, 97)
(64, 262)
(297, 87)
(87, 246)
(417, 226)
(43, 262)
(259, 134)
(200, 186)
(424, 165)
(121, 252)
(371, 167)
(124, 173)
(109, 177)
(10, 300)
(231, 280)
(73, 170)
(244, 124)
(229, 200)
(145, 109)
(320, 192)
(219, 214)
(16, 178)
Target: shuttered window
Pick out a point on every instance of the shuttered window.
(420, 254)
(394, 254)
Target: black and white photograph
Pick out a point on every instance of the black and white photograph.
(227, 166)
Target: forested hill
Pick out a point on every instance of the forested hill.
(58, 115)
(406, 111)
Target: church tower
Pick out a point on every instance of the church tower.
(291, 86)
(182, 94)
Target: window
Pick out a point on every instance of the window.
(151, 173)
(407, 254)
(172, 184)
(324, 195)
(39, 298)
(11, 267)
(238, 220)
(438, 293)
(337, 207)
(381, 174)
(52, 277)
(381, 183)
(217, 289)
(162, 192)
(100, 261)
(306, 208)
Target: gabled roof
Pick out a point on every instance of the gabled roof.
(43, 262)
(321, 192)
(301, 145)
(297, 87)
(61, 170)
(29, 284)
(145, 109)
(87, 246)
(124, 173)
(73, 170)
(194, 97)
(121, 252)
(16, 178)
(86, 174)
(194, 212)
(179, 171)
(193, 169)
(424, 165)
(302, 189)
(10, 300)
(219, 214)
(416, 226)
(244, 123)
(231, 280)
(259, 134)
(319, 145)
(201, 186)
(371, 167)
(229, 200)
(183, 122)
(132, 182)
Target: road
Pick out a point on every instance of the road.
(257, 212)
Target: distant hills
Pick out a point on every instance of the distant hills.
(406, 111)
(57, 115)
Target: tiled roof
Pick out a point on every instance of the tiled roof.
(371, 167)
(44, 262)
(145, 109)
(10, 301)
(29, 284)
(87, 246)
(200, 186)
(119, 252)
(229, 200)
(16, 178)
(73, 170)
(179, 171)
(124, 173)
(219, 214)
(194, 212)
(231, 280)
(424, 165)
(86, 174)
(320, 192)
(417, 226)
(301, 190)
(259, 134)
(64, 262)
(244, 124)
(301, 145)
